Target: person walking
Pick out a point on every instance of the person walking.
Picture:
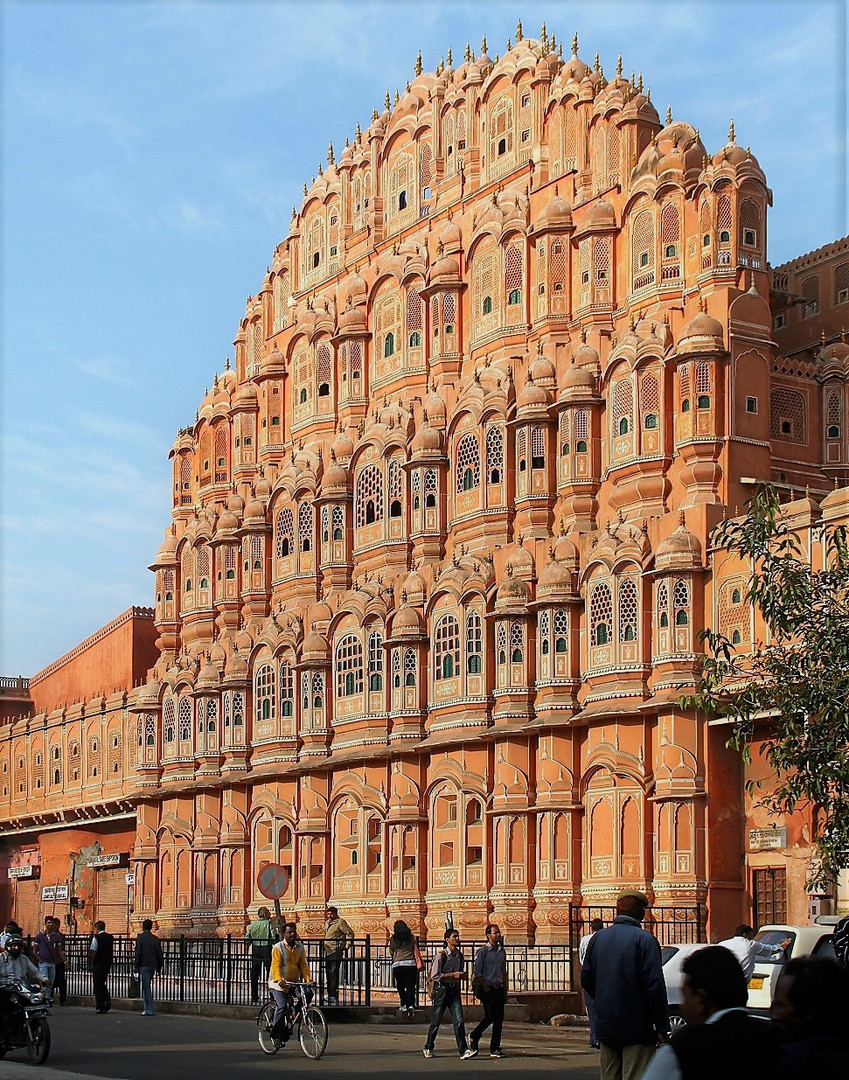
(746, 949)
(148, 962)
(338, 938)
(623, 974)
(60, 984)
(583, 945)
(260, 936)
(405, 971)
(720, 1039)
(446, 973)
(490, 986)
(49, 954)
(100, 951)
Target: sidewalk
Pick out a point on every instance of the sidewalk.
(20, 1070)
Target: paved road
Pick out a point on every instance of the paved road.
(128, 1046)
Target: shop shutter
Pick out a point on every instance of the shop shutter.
(26, 905)
(110, 900)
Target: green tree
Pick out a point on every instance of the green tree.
(791, 692)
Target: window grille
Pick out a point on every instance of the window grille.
(561, 629)
(434, 313)
(220, 451)
(833, 414)
(410, 665)
(425, 165)
(285, 533)
(474, 642)
(349, 666)
(557, 266)
(570, 141)
(375, 661)
(601, 610)
(414, 311)
(184, 719)
(468, 462)
(663, 604)
(628, 610)
(446, 648)
(544, 623)
(513, 275)
(338, 520)
(430, 480)
(264, 693)
(841, 283)
(396, 480)
(202, 566)
(649, 396)
(787, 415)
(811, 293)
(369, 496)
(305, 690)
(484, 277)
(325, 366)
(494, 454)
(670, 228)
(318, 690)
(537, 448)
(623, 406)
(521, 443)
(501, 643)
(581, 424)
(305, 526)
(601, 258)
(356, 362)
(750, 224)
(325, 524)
(642, 247)
(150, 731)
(396, 669)
(449, 311)
(229, 562)
(517, 642)
(702, 378)
(733, 611)
(680, 597)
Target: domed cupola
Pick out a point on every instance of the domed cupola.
(680, 550)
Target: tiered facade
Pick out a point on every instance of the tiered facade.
(439, 557)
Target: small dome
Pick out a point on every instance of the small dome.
(557, 214)
(343, 446)
(603, 215)
(445, 269)
(208, 675)
(450, 236)
(237, 665)
(414, 588)
(262, 488)
(427, 440)
(837, 352)
(407, 621)
(315, 649)
(235, 503)
(352, 319)
(574, 69)
(532, 397)
(167, 549)
(556, 577)
(578, 378)
(512, 591)
(227, 522)
(679, 549)
(148, 695)
(273, 363)
(542, 369)
(701, 333)
(520, 561)
(255, 511)
(320, 613)
(335, 477)
(434, 405)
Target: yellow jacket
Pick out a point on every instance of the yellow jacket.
(288, 965)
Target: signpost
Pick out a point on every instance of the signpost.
(273, 881)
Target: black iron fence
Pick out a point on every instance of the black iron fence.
(217, 970)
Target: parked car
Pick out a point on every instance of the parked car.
(804, 941)
(672, 957)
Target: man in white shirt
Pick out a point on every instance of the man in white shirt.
(583, 945)
(745, 948)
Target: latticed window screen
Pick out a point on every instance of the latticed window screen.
(185, 473)
(670, 229)
(434, 312)
(642, 245)
(202, 567)
(750, 222)
(601, 614)
(734, 611)
(570, 141)
(684, 383)
(613, 155)
(537, 448)
(723, 215)
(349, 666)
(680, 596)
(561, 627)
(449, 310)
(501, 130)
(702, 378)
(256, 550)
(704, 223)
(184, 719)
(285, 533)
(318, 689)
(517, 641)
(628, 610)
(662, 602)
(601, 258)
(305, 690)
(338, 520)
(787, 415)
(557, 265)
(446, 654)
(841, 283)
(325, 367)
(565, 424)
(305, 526)
(468, 462)
(369, 496)
(555, 144)
(287, 689)
(811, 293)
(581, 424)
(395, 483)
(486, 302)
(220, 447)
(585, 259)
(494, 454)
(356, 361)
(623, 404)
(833, 414)
(649, 394)
(414, 311)
(513, 268)
(325, 524)
(474, 639)
(264, 693)
(544, 625)
(375, 661)
(410, 666)
(425, 165)
(396, 668)
(430, 480)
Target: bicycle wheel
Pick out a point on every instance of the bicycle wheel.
(312, 1032)
(265, 1022)
(38, 1041)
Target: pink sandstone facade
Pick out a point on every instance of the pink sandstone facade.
(440, 553)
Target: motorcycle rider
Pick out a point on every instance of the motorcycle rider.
(15, 966)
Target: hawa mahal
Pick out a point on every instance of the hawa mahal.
(440, 554)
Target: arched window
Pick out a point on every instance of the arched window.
(537, 448)
(369, 496)
(517, 642)
(487, 305)
(446, 653)
(628, 610)
(389, 344)
(582, 425)
(474, 643)
(833, 414)
(338, 522)
(414, 318)
(395, 487)
(788, 415)
(642, 248)
(623, 406)
(184, 719)
(169, 723)
(468, 462)
(410, 666)
(513, 275)
(285, 533)
(375, 661)
(662, 605)
(305, 526)
(601, 610)
(494, 454)
(287, 690)
(430, 487)
(264, 693)
(349, 666)
(561, 630)
(324, 367)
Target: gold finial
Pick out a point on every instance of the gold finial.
(320, 170)
(543, 35)
(648, 95)
(575, 45)
(215, 381)
(467, 55)
(407, 88)
(418, 68)
(330, 158)
(518, 31)
(596, 63)
(397, 97)
(584, 335)
(449, 56)
(731, 132)
(619, 66)
(553, 42)
(668, 115)
(640, 83)
(305, 187)
(560, 51)
(387, 102)
(358, 132)
(227, 364)
(483, 45)
(509, 44)
(843, 334)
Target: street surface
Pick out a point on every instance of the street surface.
(128, 1046)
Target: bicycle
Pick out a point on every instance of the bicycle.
(307, 1022)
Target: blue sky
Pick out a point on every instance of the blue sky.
(151, 155)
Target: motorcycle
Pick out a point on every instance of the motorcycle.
(23, 1020)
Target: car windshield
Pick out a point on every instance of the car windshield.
(775, 937)
(666, 953)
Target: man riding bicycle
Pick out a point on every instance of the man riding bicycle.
(288, 965)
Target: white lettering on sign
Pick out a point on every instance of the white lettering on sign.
(113, 859)
(767, 839)
(24, 871)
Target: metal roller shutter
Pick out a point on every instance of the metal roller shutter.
(26, 905)
(110, 902)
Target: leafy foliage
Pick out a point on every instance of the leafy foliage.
(791, 691)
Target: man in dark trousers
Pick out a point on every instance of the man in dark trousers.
(148, 962)
(623, 974)
(490, 986)
(721, 1039)
(100, 950)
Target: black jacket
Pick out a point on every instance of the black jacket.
(737, 1046)
(148, 951)
(101, 958)
(623, 974)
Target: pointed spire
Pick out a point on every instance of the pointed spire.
(731, 132)
(483, 45)
(543, 36)
(358, 132)
(227, 364)
(509, 44)
(619, 67)
(320, 170)
(387, 102)
(597, 63)
(640, 83)
(331, 160)
(668, 115)
(305, 187)
(518, 31)
(449, 57)
(397, 97)
(575, 45)
(418, 68)
(467, 55)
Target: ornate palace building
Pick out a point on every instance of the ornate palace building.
(440, 550)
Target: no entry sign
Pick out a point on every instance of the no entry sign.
(273, 880)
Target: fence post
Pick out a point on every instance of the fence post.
(572, 947)
(368, 970)
(228, 979)
(182, 967)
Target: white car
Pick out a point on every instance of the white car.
(672, 957)
(804, 941)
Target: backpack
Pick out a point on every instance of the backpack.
(840, 942)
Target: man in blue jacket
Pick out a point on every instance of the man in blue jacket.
(624, 975)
